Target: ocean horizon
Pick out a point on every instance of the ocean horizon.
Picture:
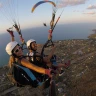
(40, 34)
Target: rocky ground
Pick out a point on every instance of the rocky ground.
(77, 80)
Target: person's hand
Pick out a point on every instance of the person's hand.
(10, 32)
(67, 64)
(53, 47)
(17, 27)
(49, 72)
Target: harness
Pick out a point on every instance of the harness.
(53, 60)
(22, 76)
(38, 61)
(35, 59)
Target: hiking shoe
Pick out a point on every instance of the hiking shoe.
(61, 73)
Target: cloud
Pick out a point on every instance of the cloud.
(91, 7)
(64, 3)
(90, 13)
(77, 2)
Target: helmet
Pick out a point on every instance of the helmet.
(29, 42)
(10, 46)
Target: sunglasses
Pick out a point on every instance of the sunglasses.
(17, 50)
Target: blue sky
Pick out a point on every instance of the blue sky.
(75, 11)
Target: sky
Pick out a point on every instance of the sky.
(75, 11)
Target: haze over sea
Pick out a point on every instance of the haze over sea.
(61, 32)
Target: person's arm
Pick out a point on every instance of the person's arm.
(31, 66)
(65, 65)
(17, 27)
(12, 39)
(11, 34)
(51, 53)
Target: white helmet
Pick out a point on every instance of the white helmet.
(29, 42)
(10, 46)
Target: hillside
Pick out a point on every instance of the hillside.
(77, 80)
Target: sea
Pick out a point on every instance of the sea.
(40, 34)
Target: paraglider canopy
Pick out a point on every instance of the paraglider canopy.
(41, 2)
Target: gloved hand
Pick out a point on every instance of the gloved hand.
(49, 72)
(17, 27)
(67, 64)
(11, 32)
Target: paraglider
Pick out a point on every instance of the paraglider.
(17, 49)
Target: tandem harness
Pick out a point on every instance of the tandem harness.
(22, 76)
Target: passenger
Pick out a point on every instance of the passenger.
(50, 60)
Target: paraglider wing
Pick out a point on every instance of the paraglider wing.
(40, 2)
